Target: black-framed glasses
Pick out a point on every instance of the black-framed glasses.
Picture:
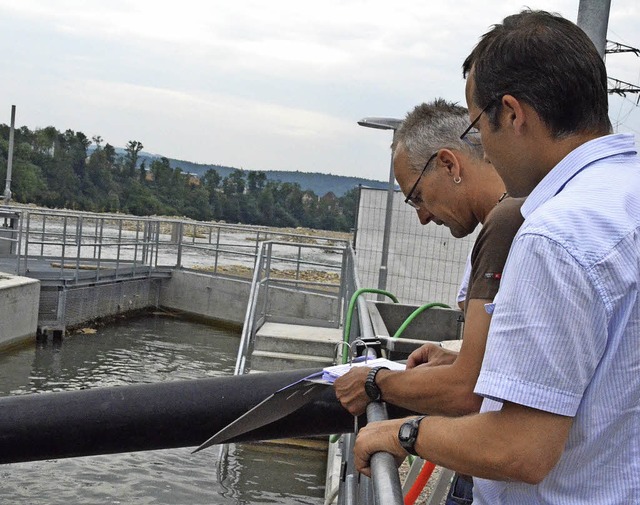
(409, 198)
(472, 135)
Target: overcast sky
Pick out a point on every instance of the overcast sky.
(256, 84)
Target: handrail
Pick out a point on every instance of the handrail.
(249, 318)
(384, 472)
(385, 480)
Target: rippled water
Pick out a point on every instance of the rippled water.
(143, 350)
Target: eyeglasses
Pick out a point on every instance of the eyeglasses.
(409, 198)
(472, 135)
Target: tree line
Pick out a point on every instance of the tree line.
(58, 169)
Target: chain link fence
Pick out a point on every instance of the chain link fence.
(425, 263)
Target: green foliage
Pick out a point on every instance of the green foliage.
(54, 169)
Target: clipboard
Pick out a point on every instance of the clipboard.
(275, 406)
(289, 399)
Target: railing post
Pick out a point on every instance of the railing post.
(42, 237)
(179, 244)
(157, 244)
(215, 263)
(64, 245)
(79, 225)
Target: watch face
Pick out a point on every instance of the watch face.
(406, 431)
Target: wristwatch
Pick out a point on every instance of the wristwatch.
(408, 433)
(370, 386)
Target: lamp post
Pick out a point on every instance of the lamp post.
(7, 188)
(385, 123)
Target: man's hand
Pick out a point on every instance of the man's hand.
(378, 437)
(350, 390)
(431, 355)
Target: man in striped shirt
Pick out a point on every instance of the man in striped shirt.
(560, 423)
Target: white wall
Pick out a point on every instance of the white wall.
(19, 301)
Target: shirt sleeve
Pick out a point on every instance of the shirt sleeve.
(464, 282)
(548, 331)
(491, 249)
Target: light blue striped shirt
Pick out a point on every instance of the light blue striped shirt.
(565, 332)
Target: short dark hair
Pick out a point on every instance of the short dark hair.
(548, 63)
(430, 127)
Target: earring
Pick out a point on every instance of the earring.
(457, 180)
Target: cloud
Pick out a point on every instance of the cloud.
(276, 84)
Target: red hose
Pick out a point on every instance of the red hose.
(420, 483)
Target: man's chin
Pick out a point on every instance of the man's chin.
(457, 233)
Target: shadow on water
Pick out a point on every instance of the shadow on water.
(149, 349)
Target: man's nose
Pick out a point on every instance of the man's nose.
(424, 216)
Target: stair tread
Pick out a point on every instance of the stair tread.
(299, 332)
(286, 355)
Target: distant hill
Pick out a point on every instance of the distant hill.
(320, 184)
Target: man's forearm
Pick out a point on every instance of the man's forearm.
(442, 390)
(517, 443)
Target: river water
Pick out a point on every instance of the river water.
(148, 349)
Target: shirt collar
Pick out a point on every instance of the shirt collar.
(574, 162)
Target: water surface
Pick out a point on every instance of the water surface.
(145, 350)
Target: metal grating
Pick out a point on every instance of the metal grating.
(68, 307)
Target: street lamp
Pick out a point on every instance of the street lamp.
(7, 188)
(385, 123)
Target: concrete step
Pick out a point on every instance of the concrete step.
(298, 339)
(291, 345)
(267, 361)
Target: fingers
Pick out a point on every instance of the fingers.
(350, 391)
(419, 356)
(377, 437)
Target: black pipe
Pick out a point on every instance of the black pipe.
(153, 416)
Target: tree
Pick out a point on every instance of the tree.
(132, 150)
(256, 181)
(233, 184)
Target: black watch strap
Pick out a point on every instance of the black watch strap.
(408, 434)
(370, 386)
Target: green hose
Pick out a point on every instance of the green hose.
(413, 315)
(352, 305)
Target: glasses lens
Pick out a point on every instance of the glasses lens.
(473, 137)
(413, 204)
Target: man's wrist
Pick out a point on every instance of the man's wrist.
(371, 387)
(408, 434)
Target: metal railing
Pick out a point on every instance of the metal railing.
(384, 485)
(66, 244)
(286, 265)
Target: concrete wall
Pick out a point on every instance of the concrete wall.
(206, 296)
(226, 300)
(19, 301)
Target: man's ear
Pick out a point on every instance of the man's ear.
(514, 112)
(450, 162)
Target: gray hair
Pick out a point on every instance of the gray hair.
(433, 126)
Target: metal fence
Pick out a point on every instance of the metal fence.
(425, 263)
(76, 245)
